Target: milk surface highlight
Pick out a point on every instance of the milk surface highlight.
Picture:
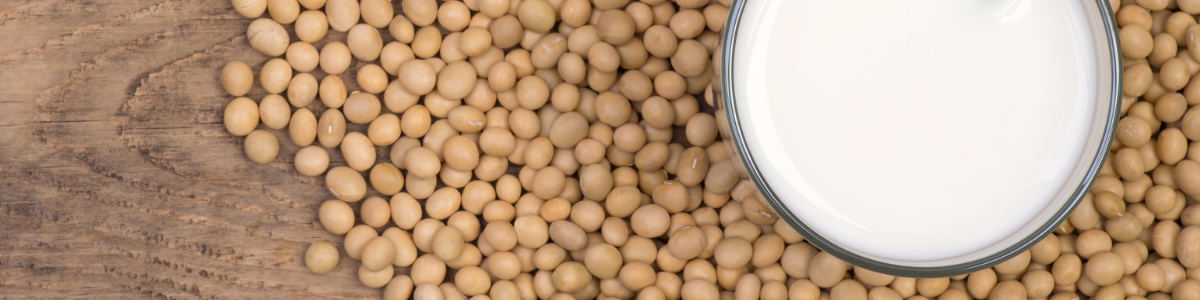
(912, 131)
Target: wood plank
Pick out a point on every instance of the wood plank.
(117, 178)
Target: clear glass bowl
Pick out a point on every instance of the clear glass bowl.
(1108, 52)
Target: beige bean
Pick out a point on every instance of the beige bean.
(378, 254)
(237, 78)
(311, 26)
(312, 161)
(342, 14)
(268, 37)
(826, 270)
(321, 257)
(336, 216)
(536, 15)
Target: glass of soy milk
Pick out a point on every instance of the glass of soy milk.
(920, 138)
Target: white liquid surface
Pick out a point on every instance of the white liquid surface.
(917, 131)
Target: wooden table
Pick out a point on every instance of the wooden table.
(117, 177)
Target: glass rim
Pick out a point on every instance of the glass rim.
(739, 144)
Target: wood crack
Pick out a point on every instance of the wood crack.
(78, 32)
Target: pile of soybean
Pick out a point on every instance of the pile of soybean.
(560, 149)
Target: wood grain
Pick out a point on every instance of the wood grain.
(117, 178)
